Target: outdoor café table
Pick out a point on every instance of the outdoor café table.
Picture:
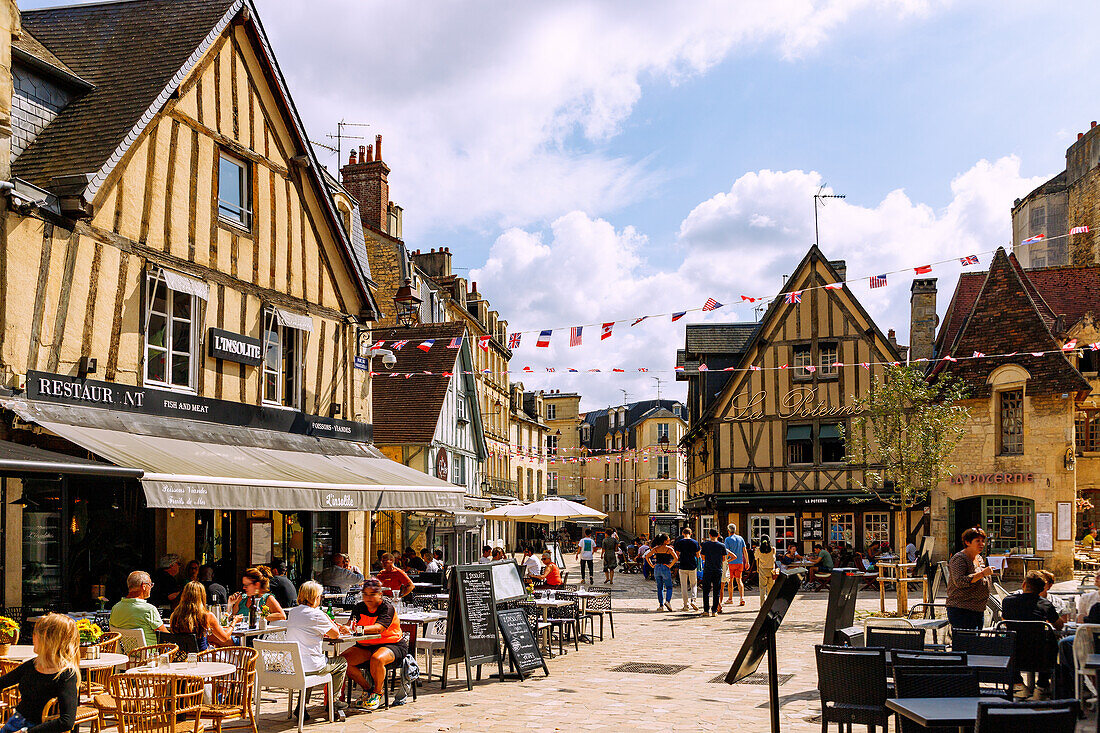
(206, 670)
(932, 624)
(244, 632)
(546, 604)
(333, 646)
(20, 653)
(942, 712)
(23, 652)
(988, 662)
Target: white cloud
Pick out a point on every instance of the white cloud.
(499, 112)
(583, 270)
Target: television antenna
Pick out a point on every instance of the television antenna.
(339, 137)
(819, 198)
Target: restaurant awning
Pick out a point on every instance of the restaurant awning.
(16, 458)
(191, 464)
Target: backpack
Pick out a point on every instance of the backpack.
(410, 669)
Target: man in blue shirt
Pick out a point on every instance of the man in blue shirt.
(688, 550)
(738, 561)
(714, 559)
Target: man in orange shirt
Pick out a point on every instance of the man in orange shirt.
(394, 578)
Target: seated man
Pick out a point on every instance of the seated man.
(135, 612)
(394, 578)
(413, 561)
(531, 565)
(823, 563)
(550, 575)
(375, 615)
(216, 594)
(341, 574)
(431, 564)
(1029, 605)
(1088, 543)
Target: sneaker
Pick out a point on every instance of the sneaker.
(713, 613)
(660, 606)
(684, 608)
(404, 700)
(694, 606)
(668, 607)
(341, 716)
(373, 702)
(339, 705)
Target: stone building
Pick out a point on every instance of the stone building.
(182, 308)
(1020, 462)
(565, 472)
(1068, 200)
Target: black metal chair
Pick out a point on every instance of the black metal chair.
(901, 658)
(1036, 649)
(990, 642)
(1049, 716)
(543, 629)
(926, 681)
(852, 686)
(600, 606)
(564, 620)
(895, 637)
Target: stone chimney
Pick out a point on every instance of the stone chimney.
(922, 319)
(366, 179)
(841, 268)
(434, 264)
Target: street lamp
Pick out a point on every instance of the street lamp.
(408, 304)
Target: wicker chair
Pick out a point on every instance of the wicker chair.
(925, 681)
(1050, 716)
(600, 606)
(155, 703)
(145, 654)
(852, 686)
(232, 696)
(991, 642)
(85, 714)
(9, 696)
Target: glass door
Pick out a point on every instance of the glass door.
(842, 529)
(780, 528)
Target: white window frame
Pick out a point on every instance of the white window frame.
(551, 482)
(802, 356)
(662, 431)
(707, 522)
(458, 469)
(155, 280)
(825, 363)
(551, 445)
(242, 217)
(664, 499)
(876, 527)
(273, 325)
(461, 409)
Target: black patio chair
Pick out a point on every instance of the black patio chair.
(1048, 716)
(600, 606)
(564, 620)
(186, 643)
(990, 642)
(951, 681)
(1036, 649)
(852, 687)
(895, 637)
(902, 658)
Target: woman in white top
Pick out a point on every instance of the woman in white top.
(586, 549)
(307, 626)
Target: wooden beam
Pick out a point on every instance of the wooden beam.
(228, 143)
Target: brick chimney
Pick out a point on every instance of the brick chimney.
(366, 179)
(841, 268)
(922, 318)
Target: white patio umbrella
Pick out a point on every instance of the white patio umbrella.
(547, 510)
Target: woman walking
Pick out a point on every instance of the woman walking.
(661, 557)
(765, 566)
(968, 582)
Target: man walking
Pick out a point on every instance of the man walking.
(714, 554)
(688, 550)
(586, 550)
(738, 560)
(610, 546)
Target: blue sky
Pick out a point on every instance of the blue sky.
(597, 160)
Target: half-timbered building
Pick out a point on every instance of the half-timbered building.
(766, 451)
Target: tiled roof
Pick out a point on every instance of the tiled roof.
(129, 51)
(31, 48)
(726, 338)
(406, 411)
(1004, 319)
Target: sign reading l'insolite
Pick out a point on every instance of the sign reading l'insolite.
(230, 346)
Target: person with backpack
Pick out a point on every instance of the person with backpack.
(586, 550)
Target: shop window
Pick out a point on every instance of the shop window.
(663, 500)
(662, 467)
(171, 339)
(1012, 421)
(802, 357)
(1008, 522)
(827, 354)
(876, 528)
(234, 192)
(832, 444)
(1088, 430)
(800, 444)
(282, 366)
(842, 528)
(551, 412)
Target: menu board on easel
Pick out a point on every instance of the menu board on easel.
(471, 622)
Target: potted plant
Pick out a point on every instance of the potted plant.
(90, 634)
(9, 634)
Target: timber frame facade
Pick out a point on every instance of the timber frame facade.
(767, 454)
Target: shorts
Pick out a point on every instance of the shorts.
(610, 563)
(400, 650)
(736, 569)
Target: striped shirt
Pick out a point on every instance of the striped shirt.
(961, 593)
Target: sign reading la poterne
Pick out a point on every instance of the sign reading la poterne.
(235, 347)
(800, 402)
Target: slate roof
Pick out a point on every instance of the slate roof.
(129, 51)
(30, 49)
(635, 412)
(726, 338)
(1006, 318)
(406, 411)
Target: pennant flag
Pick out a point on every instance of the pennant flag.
(865, 364)
(456, 343)
(1095, 347)
(794, 296)
(1038, 353)
(1033, 240)
(398, 345)
(575, 335)
(426, 345)
(878, 281)
(639, 320)
(571, 370)
(618, 370)
(593, 370)
(544, 339)
(729, 369)
(678, 316)
(977, 355)
(745, 298)
(407, 376)
(783, 367)
(754, 368)
(923, 269)
(528, 369)
(711, 305)
(483, 342)
(949, 358)
(378, 344)
(703, 368)
(1079, 230)
(514, 339)
(834, 286)
(678, 369)
(838, 363)
(605, 330)
(427, 372)
(811, 368)
(968, 260)
(643, 369)
(550, 369)
(1070, 345)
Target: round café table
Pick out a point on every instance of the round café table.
(206, 670)
(23, 652)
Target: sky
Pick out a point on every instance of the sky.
(597, 161)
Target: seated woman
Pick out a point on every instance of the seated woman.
(375, 614)
(551, 575)
(192, 617)
(256, 593)
(307, 625)
(53, 673)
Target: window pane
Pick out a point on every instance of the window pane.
(154, 368)
(290, 368)
(827, 358)
(230, 189)
(181, 370)
(181, 306)
(1012, 422)
(271, 338)
(160, 305)
(158, 326)
(270, 393)
(181, 337)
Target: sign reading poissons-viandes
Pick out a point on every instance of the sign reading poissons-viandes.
(800, 402)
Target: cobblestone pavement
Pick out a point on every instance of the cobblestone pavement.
(584, 694)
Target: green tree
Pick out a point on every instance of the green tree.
(904, 432)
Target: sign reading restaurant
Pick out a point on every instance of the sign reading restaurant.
(70, 390)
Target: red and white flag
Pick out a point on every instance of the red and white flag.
(1033, 240)
(834, 286)
(1070, 345)
(1079, 230)
(711, 305)
(811, 368)
(1038, 353)
(605, 330)
(923, 269)
(949, 358)
(977, 355)
(703, 368)
(575, 335)
(378, 344)
(794, 296)
(747, 299)
(483, 342)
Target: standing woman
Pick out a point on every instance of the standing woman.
(55, 672)
(661, 557)
(968, 582)
(765, 566)
(256, 593)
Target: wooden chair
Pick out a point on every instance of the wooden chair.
(145, 654)
(85, 714)
(158, 703)
(231, 697)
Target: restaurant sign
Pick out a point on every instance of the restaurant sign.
(800, 402)
(69, 390)
(993, 478)
(237, 347)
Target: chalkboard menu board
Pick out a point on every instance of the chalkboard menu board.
(1008, 528)
(520, 640)
(813, 528)
(471, 621)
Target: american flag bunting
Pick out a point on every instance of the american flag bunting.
(455, 343)
(1079, 230)
(711, 305)
(878, 281)
(575, 335)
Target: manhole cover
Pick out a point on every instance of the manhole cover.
(756, 678)
(650, 668)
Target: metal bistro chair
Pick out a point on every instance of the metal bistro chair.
(927, 609)
(542, 629)
(564, 620)
(231, 697)
(157, 703)
(990, 642)
(852, 686)
(1084, 644)
(901, 658)
(395, 669)
(1036, 649)
(953, 681)
(600, 606)
(185, 644)
(1051, 716)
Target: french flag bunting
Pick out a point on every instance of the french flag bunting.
(1033, 240)
(544, 339)
(605, 330)
(426, 345)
